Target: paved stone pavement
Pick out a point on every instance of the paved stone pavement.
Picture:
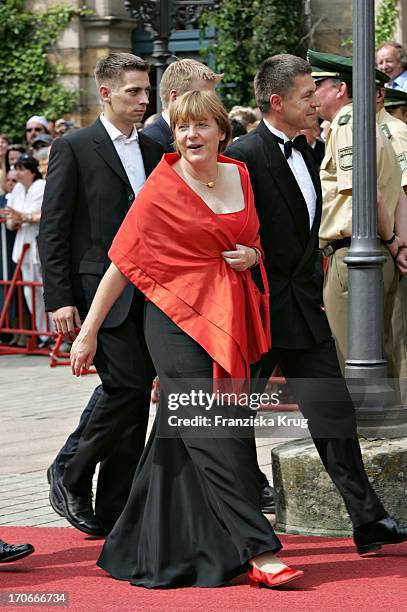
(39, 407)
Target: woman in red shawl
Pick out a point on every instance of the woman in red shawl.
(193, 516)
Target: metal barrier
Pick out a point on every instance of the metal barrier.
(13, 289)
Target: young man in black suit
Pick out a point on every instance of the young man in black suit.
(179, 77)
(288, 200)
(93, 177)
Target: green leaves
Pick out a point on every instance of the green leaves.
(385, 20)
(28, 81)
(247, 32)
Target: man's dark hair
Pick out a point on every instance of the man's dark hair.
(276, 76)
(26, 160)
(238, 129)
(110, 69)
(348, 84)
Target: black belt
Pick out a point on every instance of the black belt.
(331, 248)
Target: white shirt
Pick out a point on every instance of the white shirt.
(128, 149)
(27, 202)
(301, 173)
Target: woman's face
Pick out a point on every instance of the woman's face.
(3, 147)
(13, 157)
(198, 139)
(25, 176)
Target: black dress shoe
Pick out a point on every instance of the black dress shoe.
(9, 552)
(268, 505)
(372, 536)
(79, 512)
(54, 496)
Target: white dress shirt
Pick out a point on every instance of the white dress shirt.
(128, 149)
(300, 172)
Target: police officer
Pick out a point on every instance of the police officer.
(395, 131)
(395, 102)
(333, 76)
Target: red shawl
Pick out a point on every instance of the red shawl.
(169, 246)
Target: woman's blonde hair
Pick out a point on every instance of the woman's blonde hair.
(199, 105)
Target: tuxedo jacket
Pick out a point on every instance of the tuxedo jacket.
(161, 132)
(290, 247)
(86, 198)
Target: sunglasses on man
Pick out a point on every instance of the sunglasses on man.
(35, 129)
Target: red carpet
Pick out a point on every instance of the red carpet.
(336, 578)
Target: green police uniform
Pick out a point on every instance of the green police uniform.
(336, 222)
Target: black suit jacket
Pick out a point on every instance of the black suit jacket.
(86, 198)
(161, 132)
(297, 320)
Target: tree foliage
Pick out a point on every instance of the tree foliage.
(248, 31)
(385, 20)
(28, 80)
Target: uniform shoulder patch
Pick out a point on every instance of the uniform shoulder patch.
(402, 157)
(386, 130)
(344, 119)
(345, 158)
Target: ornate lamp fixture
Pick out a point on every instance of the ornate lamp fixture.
(161, 17)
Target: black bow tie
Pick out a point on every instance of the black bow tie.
(299, 143)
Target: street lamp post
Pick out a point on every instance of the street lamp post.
(376, 414)
(161, 17)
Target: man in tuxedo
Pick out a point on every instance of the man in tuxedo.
(179, 77)
(288, 200)
(93, 177)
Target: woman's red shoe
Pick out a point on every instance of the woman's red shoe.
(257, 578)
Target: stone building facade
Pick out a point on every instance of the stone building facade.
(111, 29)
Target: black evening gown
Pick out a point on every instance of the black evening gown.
(193, 516)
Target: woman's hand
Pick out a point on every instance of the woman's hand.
(395, 246)
(243, 258)
(83, 351)
(14, 219)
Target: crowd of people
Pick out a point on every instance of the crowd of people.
(23, 170)
(191, 252)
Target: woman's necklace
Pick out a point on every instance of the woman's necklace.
(209, 184)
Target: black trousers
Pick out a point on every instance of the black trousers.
(70, 447)
(117, 425)
(315, 378)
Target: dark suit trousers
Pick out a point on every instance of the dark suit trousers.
(326, 402)
(118, 423)
(70, 447)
